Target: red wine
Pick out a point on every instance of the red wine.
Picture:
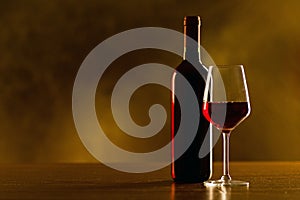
(189, 167)
(225, 115)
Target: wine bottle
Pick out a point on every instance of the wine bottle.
(189, 167)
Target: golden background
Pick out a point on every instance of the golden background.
(42, 44)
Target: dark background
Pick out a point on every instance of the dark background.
(43, 43)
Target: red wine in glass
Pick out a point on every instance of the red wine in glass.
(234, 113)
(226, 107)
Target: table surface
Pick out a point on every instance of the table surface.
(268, 180)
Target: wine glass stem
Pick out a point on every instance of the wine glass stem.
(226, 175)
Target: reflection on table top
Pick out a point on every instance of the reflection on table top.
(268, 180)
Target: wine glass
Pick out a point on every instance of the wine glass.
(225, 105)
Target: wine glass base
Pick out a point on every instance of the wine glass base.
(220, 183)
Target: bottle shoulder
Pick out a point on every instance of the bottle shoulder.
(186, 67)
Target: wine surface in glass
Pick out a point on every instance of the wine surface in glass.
(225, 115)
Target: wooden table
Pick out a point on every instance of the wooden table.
(268, 180)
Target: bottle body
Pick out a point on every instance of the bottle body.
(189, 167)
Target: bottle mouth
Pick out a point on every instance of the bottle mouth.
(192, 20)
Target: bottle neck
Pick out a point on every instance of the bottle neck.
(192, 47)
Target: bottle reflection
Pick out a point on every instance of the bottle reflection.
(198, 191)
(191, 191)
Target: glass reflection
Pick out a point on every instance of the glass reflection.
(199, 191)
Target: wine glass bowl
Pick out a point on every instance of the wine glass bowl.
(225, 105)
(235, 113)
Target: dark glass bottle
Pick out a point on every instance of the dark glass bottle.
(189, 167)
